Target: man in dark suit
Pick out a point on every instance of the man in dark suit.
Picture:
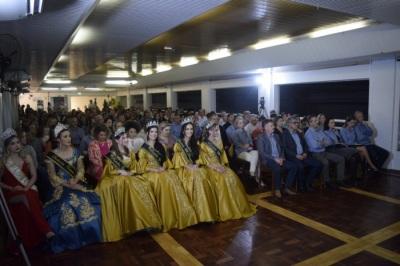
(296, 151)
(271, 154)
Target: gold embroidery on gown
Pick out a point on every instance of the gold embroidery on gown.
(173, 204)
(197, 186)
(128, 204)
(231, 196)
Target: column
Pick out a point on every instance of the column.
(172, 99)
(208, 98)
(381, 108)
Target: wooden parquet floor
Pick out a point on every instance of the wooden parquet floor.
(357, 226)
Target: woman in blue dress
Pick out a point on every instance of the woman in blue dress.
(73, 212)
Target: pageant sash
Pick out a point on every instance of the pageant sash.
(116, 161)
(187, 151)
(214, 148)
(66, 167)
(18, 174)
(155, 153)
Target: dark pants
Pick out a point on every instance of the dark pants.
(276, 169)
(377, 154)
(312, 166)
(352, 157)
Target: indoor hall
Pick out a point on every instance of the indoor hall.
(214, 132)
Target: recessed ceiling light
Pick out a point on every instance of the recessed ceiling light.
(83, 35)
(271, 42)
(93, 89)
(187, 61)
(168, 48)
(163, 68)
(338, 28)
(117, 74)
(57, 81)
(219, 53)
(146, 72)
(49, 89)
(121, 82)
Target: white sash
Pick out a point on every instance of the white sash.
(18, 174)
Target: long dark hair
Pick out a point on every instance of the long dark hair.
(192, 141)
(157, 145)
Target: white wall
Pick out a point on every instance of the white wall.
(82, 101)
(32, 98)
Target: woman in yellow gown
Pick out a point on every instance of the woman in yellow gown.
(173, 204)
(195, 181)
(231, 196)
(128, 203)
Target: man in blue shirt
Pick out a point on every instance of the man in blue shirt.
(271, 154)
(296, 151)
(317, 141)
(176, 126)
(363, 134)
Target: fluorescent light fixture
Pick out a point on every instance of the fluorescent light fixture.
(187, 61)
(218, 53)
(163, 68)
(69, 89)
(146, 72)
(63, 58)
(57, 81)
(117, 74)
(79, 93)
(83, 35)
(271, 42)
(121, 82)
(338, 28)
(93, 89)
(49, 89)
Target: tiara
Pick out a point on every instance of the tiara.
(119, 131)
(209, 125)
(151, 124)
(60, 127)
(186, 120)
(8, 133)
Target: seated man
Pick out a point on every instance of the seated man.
(244, 145)
(363, 136)
(271, 154)
(296, 151)
(317, 142)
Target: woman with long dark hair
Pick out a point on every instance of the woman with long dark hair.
(128, 204)
(173, 204)
(231, 196)
(73, 212)
(194, 179)
(18, 177)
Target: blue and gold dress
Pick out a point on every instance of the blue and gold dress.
(128, 204)
(172, 202)
(74, 214)
(231, 196)
(196, 183)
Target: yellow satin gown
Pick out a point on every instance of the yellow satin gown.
(127, 202)
(231, 196)
(173, 204)
(197, 185)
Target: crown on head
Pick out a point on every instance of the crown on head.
(186, 120)
(8, 133)
(119, 131)
(60, 127)
(209, 125)
(152, 123)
